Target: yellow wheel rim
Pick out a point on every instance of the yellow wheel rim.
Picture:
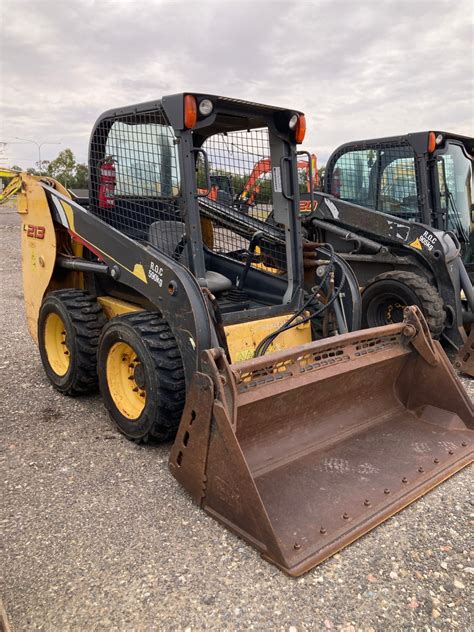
(125, 380)
(55, 342)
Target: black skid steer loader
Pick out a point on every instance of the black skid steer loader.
(411, 197)
(398, 262)
(202, 324)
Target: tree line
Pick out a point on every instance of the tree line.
(75, 175)
(64, 168)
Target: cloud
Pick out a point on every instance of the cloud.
(358, 69)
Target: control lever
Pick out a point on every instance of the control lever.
(254, 241)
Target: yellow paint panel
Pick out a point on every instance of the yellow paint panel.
(69, 214)
(38, 247)
(207, 232)
(115, 306)
(139, 272)
(262, 266)
(243, 338)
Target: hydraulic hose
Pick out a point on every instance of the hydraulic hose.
(264, 344)
(369, 244)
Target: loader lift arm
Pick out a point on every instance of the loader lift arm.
(366, 238)
(12, 187)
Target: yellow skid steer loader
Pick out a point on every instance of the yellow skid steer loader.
(204, 324)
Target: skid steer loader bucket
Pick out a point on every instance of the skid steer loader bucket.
(303, 451)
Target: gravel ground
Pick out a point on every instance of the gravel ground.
(99, 536)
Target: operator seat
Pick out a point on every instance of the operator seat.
(170, 238)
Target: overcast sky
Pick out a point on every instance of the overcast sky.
(358, 69)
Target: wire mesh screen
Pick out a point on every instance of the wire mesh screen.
(240, 162)
(136, 187)
(135, 177)
(240, 172)
(381, 177)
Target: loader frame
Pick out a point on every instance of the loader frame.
(112, 257)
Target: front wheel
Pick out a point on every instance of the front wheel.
(385, 297)
(141, 376)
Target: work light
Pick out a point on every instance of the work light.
(293, 121)
(206, 107)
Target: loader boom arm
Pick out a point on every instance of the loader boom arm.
(436, 251)
(12, 187)
(141, 267)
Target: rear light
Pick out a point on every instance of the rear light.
(431, 142)
(300, 129)
(190, 111)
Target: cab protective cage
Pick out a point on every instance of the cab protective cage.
(150, 169)
(426, 177)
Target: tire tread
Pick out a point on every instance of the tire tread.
(161, 344)
(431, 301)
(88, 320)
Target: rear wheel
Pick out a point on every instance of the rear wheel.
(385, 297)
(141, 376)
(69, 326)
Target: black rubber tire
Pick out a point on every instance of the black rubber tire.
(151, 338)
(83, 321)
(407, 288)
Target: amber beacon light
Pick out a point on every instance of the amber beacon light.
(190, 111)
(300, 129)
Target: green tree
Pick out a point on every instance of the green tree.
(63, 167)
(81, 178)
(41, 167)
(321, 172)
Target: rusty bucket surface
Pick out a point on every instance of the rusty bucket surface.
(301, 452)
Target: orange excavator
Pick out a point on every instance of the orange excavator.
(252, 187)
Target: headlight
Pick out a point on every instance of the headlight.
(293, 121)
(206, 107)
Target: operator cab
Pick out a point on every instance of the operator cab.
(165, 173)
(424, 177)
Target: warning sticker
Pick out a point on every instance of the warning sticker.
(427, 240)
(416, 244)
(276, 179)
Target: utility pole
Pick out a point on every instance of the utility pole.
(39, 145)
